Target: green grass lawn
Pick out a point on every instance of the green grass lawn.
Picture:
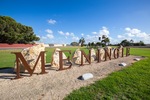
(7, 59)
(131, 83)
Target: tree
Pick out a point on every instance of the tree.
(92, 44)
(98, 43)
(125, 43)
(105, 40)
(131, 42)
(89, 44)
(74, 44)
(141, 43)
(13, 32)
(82, 41)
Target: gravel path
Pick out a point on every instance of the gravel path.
(55, 85)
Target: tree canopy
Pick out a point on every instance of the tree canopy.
(74, 44)
(82, 41)
(131, 43)
(13, 32)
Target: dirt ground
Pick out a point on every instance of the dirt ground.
(55, 85)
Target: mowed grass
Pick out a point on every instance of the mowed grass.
(7, 59)
(131, 83)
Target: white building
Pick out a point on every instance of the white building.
(57, 45)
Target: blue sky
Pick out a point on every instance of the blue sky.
(66, 21)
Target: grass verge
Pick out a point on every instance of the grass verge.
(131, 83)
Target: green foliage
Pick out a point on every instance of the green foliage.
(13, 32)
(131, 43)
(74, 44)
(82, 41)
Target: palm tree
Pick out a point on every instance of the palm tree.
(125, 42)
(131, 42)
(82, 41)
(105, 40)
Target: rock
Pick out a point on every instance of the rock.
(136, 59)
(122, 64)
(77, 57)
(93, 55)
(120, 50)
(108, 48)
(31, 54)
(86, 76)
(55, 58)
(102, 53)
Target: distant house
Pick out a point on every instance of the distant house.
(46, 45)
(57, 45)
(148, 45)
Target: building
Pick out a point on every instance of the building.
(57, 45)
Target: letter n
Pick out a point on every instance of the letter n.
(107, 54)
(88, 58)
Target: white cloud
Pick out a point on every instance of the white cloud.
(82, 34)
(43, 37)
(104, 31)
(67, 33)
(75, 38)
(49, 31)
(51, 21)
(95, 35)
(72, 34)
(135, 34)
(61, 32)
(50, 34)
(120, 36)
(94, 32)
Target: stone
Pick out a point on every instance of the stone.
(102, 53)
(77, 57)
(136, 59)
(93, 55)
(108, 48)
(120, 50)
(31, 54)
(87, 76)
(122, 64)
(55, 58)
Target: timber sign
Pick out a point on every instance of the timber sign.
(102, 54)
